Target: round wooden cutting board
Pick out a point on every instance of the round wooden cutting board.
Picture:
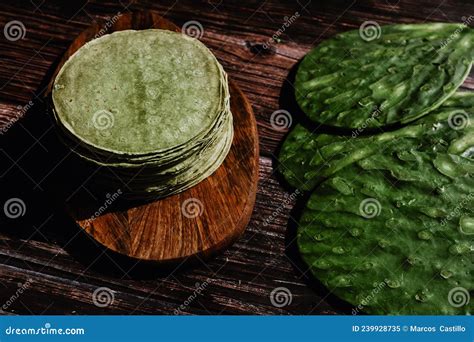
(197, 222)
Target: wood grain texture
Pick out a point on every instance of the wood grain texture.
(63, 273)
(199, 221)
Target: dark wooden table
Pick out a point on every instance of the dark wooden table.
(46, 269)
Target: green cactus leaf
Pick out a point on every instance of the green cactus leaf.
(306, 158)
(390, 229)
(395, 76)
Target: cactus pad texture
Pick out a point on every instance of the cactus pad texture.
(391, 228)
(306, 158)
(397, 77)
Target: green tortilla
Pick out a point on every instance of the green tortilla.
(134, 91)
(149, 108)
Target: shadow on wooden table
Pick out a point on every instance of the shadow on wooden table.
(38, 175)
(288, 102)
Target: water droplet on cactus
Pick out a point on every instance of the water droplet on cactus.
(425, 87)
(338, 250)
(422, 296)
(393, 283)
(305, 249)
(411, 261)
(466, 225)
(310, 175)
(355, 232)
(393, 223)
(383, 243)
(446, 274)
(392, 70)
(322, 264)
(319, 237)
(369, 264)
(342, 281)
(460, 248)
(425, 235)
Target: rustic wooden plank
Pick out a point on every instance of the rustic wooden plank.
(249, 270)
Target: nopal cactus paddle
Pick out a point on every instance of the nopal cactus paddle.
(404, 73)
(306, 158)
(391, 231)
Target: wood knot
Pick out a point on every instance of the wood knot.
(260, 48)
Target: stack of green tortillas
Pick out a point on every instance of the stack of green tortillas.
(150, 107)
(389, 225)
